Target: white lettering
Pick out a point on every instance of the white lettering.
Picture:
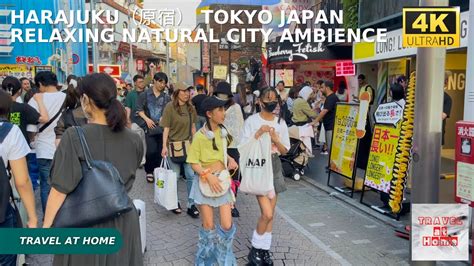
(16, 35)
(20, 17)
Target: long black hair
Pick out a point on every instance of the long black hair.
(101, 89)
(73, 96)
(268, 90)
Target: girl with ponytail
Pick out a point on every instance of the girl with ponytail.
(209, 159)
(109, 141)
(72, 114)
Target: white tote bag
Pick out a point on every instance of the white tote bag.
(166, 187)
(256, 166)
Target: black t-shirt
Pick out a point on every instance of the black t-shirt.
(330, 105)
(22, 115)
(447, 104)
(197, 100)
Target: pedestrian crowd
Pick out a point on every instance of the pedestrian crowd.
(51, 137)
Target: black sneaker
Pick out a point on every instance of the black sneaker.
(255, 257)
(266, 257)
(235, 213)
(193, 211)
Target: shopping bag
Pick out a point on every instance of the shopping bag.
(256, 166)
(166, 187)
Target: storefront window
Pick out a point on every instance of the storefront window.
(371, 11)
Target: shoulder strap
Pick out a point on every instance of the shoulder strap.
(224, 144)
(4, 130)
(190, 125)
(84, 146)
(42, 128)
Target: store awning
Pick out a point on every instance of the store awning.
(289, 52)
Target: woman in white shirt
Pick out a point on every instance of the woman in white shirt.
(255, 126)
(13, 151)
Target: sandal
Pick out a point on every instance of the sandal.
(178, 210)
(150, 178)
(193, 212)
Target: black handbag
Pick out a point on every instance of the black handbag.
(99, 196)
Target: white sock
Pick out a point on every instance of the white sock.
(267, 240)
(258, 241)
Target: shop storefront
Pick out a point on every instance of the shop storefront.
(296, 63)
(383, 63)
(25, 59)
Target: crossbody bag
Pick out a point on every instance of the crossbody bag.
(179, 149)
(224, 178)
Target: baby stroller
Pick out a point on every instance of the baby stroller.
(297, 158)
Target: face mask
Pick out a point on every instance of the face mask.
(270, 106)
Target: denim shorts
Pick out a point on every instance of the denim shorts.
(200, 199)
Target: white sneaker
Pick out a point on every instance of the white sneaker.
(324, 153)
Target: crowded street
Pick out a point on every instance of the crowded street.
(305, 233)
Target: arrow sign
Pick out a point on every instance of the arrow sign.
(389, 114)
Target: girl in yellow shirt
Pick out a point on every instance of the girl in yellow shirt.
(206, 157)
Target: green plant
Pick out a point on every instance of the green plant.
(351, 11)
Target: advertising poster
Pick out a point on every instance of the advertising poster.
(17, 71)
(285, 75)
(382, 157)
(220, 72)
(464, 156)
(344, 140)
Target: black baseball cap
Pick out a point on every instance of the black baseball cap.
(211, 103)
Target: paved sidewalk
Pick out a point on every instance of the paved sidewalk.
(172, 239)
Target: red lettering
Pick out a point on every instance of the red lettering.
(426, 241)
(436, 231)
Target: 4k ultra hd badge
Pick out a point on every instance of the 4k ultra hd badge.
(431, 27)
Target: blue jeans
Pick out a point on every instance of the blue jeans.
(189, 173)
(33, 169)
(10, 222)
(44, 166)
(215, 247)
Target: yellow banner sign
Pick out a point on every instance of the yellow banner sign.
(379, 171)
(344, 140)
(18, 71)
(220, 72)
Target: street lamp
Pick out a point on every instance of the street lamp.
(229, 47)
(130, 60)
(95, 51)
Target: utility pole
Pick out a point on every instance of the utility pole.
(469, 91)
(130, 60)
(430, 67)
(167, 59)
(95, 55)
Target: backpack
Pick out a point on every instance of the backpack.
(5, 188)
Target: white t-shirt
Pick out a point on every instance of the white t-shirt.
(45, 141)
(14, 146)
(255, 122)
(234, 122)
